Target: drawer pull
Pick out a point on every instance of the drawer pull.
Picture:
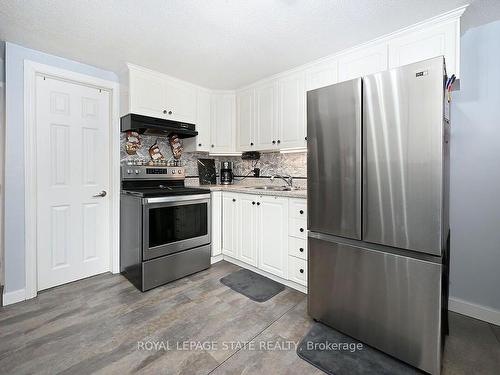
(301, 249)
(301, 229)
(301, 270)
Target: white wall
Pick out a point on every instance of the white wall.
(14, 151)
(475, 173)
(2, 148)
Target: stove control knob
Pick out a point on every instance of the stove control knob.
(179, 171)
(173, 171)
(136, 171)
(129, 171)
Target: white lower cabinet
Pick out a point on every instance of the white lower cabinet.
(230, 227)
(297, 247)
(216, 202)
(247, 223)
(272, 235)
(297, 270)
(256, 231)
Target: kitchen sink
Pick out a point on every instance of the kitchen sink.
(272, 188)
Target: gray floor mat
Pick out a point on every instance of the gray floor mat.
(256, 287)
(343, 360)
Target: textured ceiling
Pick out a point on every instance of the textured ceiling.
(220, 44)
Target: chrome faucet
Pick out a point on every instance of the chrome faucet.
(287, 179)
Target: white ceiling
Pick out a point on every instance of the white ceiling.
(220, 44)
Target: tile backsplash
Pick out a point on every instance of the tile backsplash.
(293, 164)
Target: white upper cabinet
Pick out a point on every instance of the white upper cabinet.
(157, 95)
(203, 118)
(147, 94)
(223, 123)
(180, 101)
(266, 116)
(245, 103)
(322, 74)
(427, 43)
(291, 111)
(363, 62)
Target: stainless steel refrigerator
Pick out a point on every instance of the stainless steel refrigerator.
(378, 156)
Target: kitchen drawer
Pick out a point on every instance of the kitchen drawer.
(297, 228)
(297, 270)
(298, 209)
(297, 247)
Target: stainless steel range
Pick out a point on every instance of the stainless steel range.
(164, 226)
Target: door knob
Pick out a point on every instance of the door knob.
(101, 194)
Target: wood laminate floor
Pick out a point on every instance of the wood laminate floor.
(103, 325)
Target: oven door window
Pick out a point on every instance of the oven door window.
(176, 223)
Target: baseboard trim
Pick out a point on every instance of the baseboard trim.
(473, 310)
(14, 297)
(291, 284)
(216, 258)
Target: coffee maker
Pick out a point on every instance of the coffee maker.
(226, 172)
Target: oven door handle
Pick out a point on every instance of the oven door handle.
(177, 198)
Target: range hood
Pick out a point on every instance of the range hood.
(157, 126)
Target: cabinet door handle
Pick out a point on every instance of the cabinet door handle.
(301, 229)
(305, 138)
(234, 200)
(279, 141)
(169, 112)
(301, 270)
(301, 211)
(274, 142)
(253, 202)
(251, 143)
(213, 146)
(199, 144)
(301, 249)
(164, 111)
(258, 203)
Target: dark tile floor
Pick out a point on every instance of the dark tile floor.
(103, 325)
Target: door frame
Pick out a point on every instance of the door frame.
(31, 71)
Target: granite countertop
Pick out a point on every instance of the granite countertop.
(248, 189)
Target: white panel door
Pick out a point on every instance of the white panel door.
(180, 101)
(147, 94)
(223, 124)
(229, 224)
(266, 117)
(247, 228)
(272, 223)
(245, 119)
(72, 132)
(363, 62)
(292, 111)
